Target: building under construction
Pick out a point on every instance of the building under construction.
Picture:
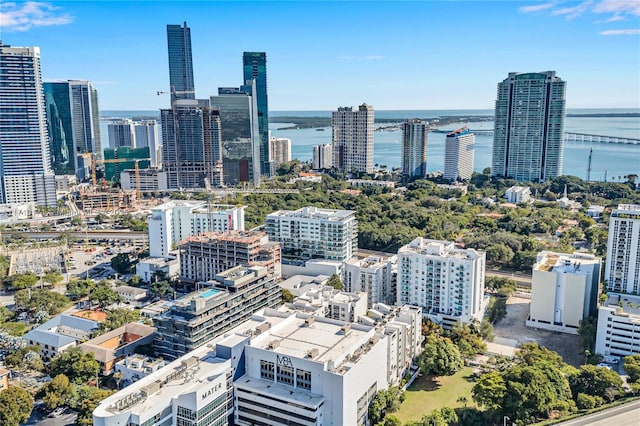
(204, 256)
(92, 200)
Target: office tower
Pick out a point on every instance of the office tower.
(240, 134)
(314, 233)
(622, 271)
(353, 139)
(175, 220)
(323, 156)
(528, 139)
(180, 62)
(124, 158)
(205, 255)
(564, 290)
(121, 133)
(280, 151)
(254, 66)
(458, 154)
(74, 122)
(60, 127)
(146, 133)
(25, 162)
(445, 281)
(191, 144)
(414, 148)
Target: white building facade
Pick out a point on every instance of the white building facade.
(373, 275)
(458, 154)
(322, 157)
(280, 150)
(622, 271)
(618, 332)
(445, 281)
(312, 232)
(176, 220)
(564, 290)
(121, 133)
(353, 139)
(518, 194)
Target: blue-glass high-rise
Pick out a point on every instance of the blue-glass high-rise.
(60, 126)
(180, 62)
(255, 68)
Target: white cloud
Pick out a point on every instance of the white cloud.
(24, 16)
(374, 57)
(630, 31)
(537, 7)
(616, 10)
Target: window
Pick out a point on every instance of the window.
(266, 370)
(303, 379)
(285, 375)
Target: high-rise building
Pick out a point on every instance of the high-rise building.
(180, 62)
(25, 162)
(528, 139)
(314, 233)
(353, 139)
(121, 133)
(564, 290)
(375, 276)
(322, 156)
(240, 134)
(458, 154)
(146, 133)
(173, 221)
(622, 271)
(191, 137)
(414, 148)
(60, 127)
(254, 66)
(205, 255)
(280, 151)
(445, 281)
(127, 158)
(74, 123)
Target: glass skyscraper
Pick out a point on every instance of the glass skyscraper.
(25, 163)
(529, 127)
(180, 62)
(58, 104)
(255, 68)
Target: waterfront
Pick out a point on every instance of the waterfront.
(616, 159)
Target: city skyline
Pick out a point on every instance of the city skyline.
(308, 49)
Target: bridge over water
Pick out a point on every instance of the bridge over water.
(568, 137)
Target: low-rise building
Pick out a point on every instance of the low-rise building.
(595, 211)
(328, 302)
(149, 180)
(311, 267)
(518, 194)
(114, 345)
(363, 183)
(618, 333)
(147, 269)
(134, 367)
(60, 333)
(230, 299)
(564, 290)
(299, 284)
(131, 294)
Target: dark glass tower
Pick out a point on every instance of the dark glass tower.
(60, 126)
(255, 68)
(180, 62)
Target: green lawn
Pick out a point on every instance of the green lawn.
(425, 394)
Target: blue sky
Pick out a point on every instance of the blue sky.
(321, 55)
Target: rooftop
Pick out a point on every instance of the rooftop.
(438, 248)
(628, 304)
(315, 213)
(246, 237)
(564, 263)
(280, 391)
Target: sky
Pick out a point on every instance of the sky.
(399, 55)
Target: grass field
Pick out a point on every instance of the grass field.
(425, 395)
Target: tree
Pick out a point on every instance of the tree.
(104, 295)
(587, 331)
(56, 392)
(499, 254)
(467, 339)
(117, 318)
(440, 357)
(335, 282)
(80, 288)
(161, 288)
(121, 263)
(440, 417)
(21, 281)
(497, 309)
(287, 296)
(85, 399)
(16, 405)
(489, 391)
(53, 277)
(631, 365)
(35, 300)
(383, 402)
(596, 381)
(586, 402)
(499, 283)
(392, 421)
(76, 365)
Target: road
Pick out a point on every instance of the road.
(91, 235)
(624, 415)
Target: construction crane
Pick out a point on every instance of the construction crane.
(118, 160)
(174, 92)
